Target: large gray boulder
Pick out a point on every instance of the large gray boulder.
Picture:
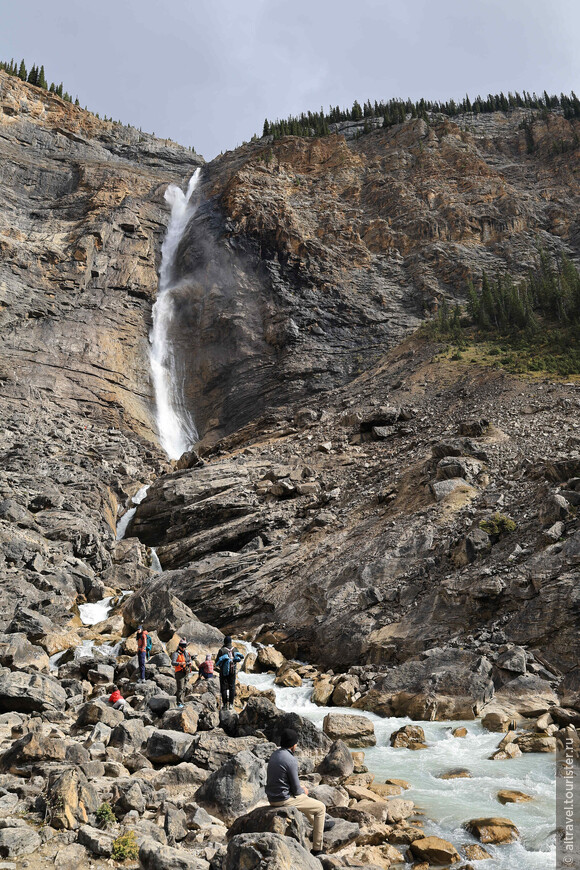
(18, 653)
(287, 821)
(29, 693)
(129, 736)
(155, 856)
(17, 838)
(338, 761)
(235, 788)
(262, 715)
(268, 851)
(167, 747)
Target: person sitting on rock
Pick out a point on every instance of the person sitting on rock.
(283, 788)
(117, 700)
(226, 662)
(181, 661)
(205, 669)
(142, 637)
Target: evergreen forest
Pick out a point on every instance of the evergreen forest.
(396, 111)
(35, 76)
(530, 325)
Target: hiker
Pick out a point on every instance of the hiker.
(181, 661)
(142, 639)
(226, 661)
(205, 669)
(283, 788)
(117, 700)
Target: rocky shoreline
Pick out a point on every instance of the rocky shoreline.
(184, 788)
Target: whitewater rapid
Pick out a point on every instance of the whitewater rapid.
(175, 425)
(449, 803)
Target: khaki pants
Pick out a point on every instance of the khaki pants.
(313, 810)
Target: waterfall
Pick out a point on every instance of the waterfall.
(177, 432)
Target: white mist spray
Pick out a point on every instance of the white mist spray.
(177, 432)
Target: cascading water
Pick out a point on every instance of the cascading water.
(449, 803)
(177, 432)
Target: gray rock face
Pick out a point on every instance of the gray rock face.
(235, 788)
(268, 852)
(29, 693)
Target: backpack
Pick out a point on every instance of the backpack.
(224, 663)
(148, 645)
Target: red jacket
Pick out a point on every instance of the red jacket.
(115, 696)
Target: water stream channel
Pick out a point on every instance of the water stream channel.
(447, 804)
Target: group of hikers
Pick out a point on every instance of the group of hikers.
(283, 788)
(226, 663)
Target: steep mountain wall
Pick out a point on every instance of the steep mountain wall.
(81, 224)
(324, 510)
(310, 258)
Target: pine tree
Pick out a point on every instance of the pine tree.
(22, 71)
(42, 79)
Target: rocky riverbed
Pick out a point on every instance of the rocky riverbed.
(184, 788)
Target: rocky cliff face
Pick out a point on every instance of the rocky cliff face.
(310, 258)
(347, 472)
(81, 224)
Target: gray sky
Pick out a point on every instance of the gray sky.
(207, 72)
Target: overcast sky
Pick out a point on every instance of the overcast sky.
(207, 72)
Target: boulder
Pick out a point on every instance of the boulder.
(434, 850)
(185, 720)
(493, 830)
(268, 851)
(409, 737)
(441, 684)
(338, 761)
(235, 788)
(343, 833)
(175, 824)
(129, 736)
(156, 856)
(533, 742)
(71, 798)
(29, 693)
(322, 692)
(31, 748)
(211, 749)
(496, 720)
(269, 659)
(167, 747)
(261, 715)
(98, 842)
(511, 796)
(16, 839)
(344, 693)
(287, 676)
(474, 852)
(287, 821)
(356, 731)
(399, 809)
(98, 711)
(18, 653)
